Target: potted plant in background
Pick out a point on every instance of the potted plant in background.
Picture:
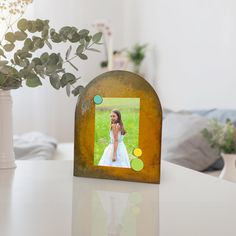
(27, 58)
(222, 137)
(136, 56)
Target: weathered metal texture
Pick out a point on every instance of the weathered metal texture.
(117, 84)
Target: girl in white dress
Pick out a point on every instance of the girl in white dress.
(115, 154)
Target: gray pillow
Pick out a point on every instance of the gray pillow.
(34, 145)
(183, 143)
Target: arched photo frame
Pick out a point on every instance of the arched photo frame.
(137, 142)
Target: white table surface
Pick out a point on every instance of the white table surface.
(42, 198)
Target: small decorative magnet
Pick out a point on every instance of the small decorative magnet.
(97, 99)
(137, 152)
(137, 164)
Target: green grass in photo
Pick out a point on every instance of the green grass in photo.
(129, 108)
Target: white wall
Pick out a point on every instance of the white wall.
(193, 48)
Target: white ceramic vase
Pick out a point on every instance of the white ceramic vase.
(7, 156)
(229, 170)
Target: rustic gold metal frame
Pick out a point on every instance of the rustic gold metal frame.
(117, 84)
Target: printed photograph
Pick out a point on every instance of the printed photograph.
(116, 131)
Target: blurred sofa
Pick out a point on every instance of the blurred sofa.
(182, 140)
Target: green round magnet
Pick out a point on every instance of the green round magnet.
(97, 99)
(137, 164)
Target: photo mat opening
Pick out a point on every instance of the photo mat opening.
(116, 131)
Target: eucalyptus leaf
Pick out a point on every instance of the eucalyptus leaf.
(48, 44)
(2, 53)
(32, 26)
(82, 41)
(53, 59)
(65, 31)
(56, 38)
(44, 57)
(93, 49)
(39, 24)
(10, 37)
(86, 45)
(61, 71)
(68, 52)
(38, 43)
(83, 56)
(37, 61)
(75, 38)
(46, 22)
(52, 31)
(55, 81)
(3, 78)
(33, 81)
(88, 38)
(97, 37)
(2, 63)
(68, 87)
(23, 54)
(9, 47)
(51, 69)
(83, 32)
(11, 83)
(78, 90)
(23, 62)
(29, 25)
(31, 66)
(80, 49)
(23, 73)
(22, 24)
(9, 71)
(28, 44)
(20, 35)
(45, 33)
(67, 78)
(39, 69)
(16, 59)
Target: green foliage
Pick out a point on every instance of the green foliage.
(23, 66)
(104, 64)
(221, 137)
(136, 55)
(97, 37)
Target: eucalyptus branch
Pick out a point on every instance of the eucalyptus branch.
(25, 67)
(8, 27)
(76, 56)
(72, 58)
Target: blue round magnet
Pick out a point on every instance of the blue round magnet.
(97, 99)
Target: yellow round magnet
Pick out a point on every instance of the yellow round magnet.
(137, 152)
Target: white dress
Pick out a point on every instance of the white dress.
(122, 157)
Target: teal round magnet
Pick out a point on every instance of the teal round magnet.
(97, 99)
(137, 164)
